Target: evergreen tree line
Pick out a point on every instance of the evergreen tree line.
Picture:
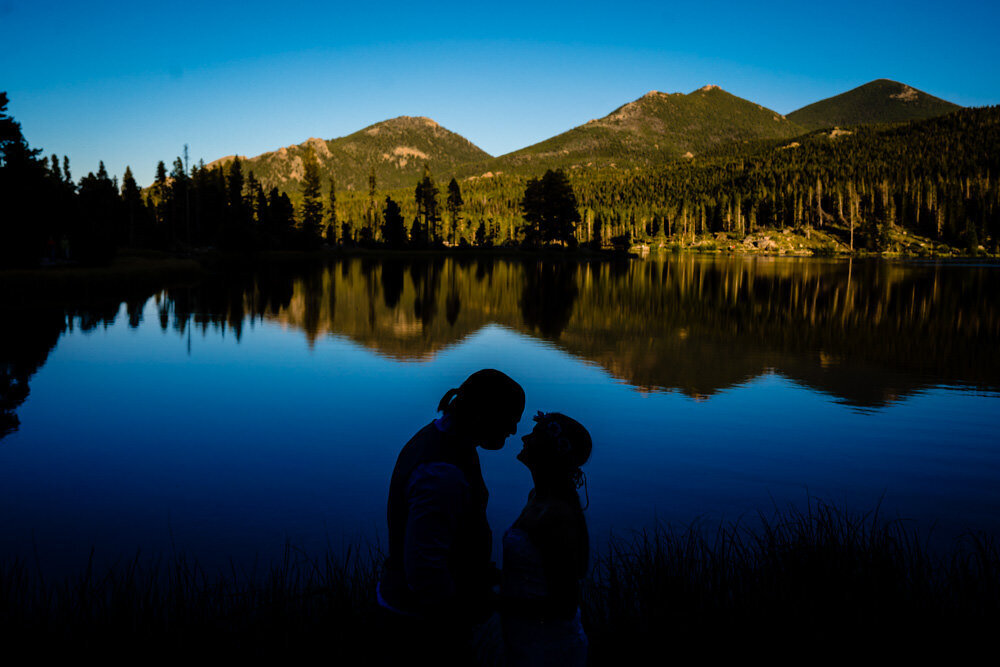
(47, 215)
(937, 178)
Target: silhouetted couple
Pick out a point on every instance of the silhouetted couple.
(438, 589)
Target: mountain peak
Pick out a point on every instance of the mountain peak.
(414, 120)
(656, 127)
(397, 149)
(406, 122)
(895, 89)
(878, 101)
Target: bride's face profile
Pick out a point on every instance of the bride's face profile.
(557, 445)
(539, 448)
(529, 447)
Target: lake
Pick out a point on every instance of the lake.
(225, 417)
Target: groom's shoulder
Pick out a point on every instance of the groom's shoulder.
(423, 446)
(438, 479)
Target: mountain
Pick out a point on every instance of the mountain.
(652, 130)
(879, 101)
(655, 128)
(398, 149)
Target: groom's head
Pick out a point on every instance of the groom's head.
(486, 407)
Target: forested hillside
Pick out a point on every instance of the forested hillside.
(937, 178)
(867, 188)
(653, 130)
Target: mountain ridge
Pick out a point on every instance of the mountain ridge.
(653, 129)
(656, 127)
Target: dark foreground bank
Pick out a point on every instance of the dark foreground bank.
(823, 578)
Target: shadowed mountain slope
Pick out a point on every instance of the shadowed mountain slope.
(879, 101)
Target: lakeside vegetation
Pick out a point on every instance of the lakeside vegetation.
(802, 577)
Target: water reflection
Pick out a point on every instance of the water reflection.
(33, 327)
(547, 298)
(23, 350)
(868, 333)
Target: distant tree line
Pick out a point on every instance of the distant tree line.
(47, 215)
(937, 178)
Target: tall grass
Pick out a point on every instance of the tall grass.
(819, 576)
(173, 603)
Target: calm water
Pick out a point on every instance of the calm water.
(226, 417)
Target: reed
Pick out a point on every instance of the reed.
(810, 577)
(173, 603)
(817, 576)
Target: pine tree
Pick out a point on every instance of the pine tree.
(331, 214)
(24, 202)
(280, 215)
(132, 198)
(393, 227)
(370, 217)
(260, 205)
(454, 205)
(312, 205)
(179, 193)
(427, 207)
(550, 209)
(417, 236)
(251, 200)
(235, 226)
(100, 216)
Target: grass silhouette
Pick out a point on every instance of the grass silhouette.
(815, 576)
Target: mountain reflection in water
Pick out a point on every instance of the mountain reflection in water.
(866, 332)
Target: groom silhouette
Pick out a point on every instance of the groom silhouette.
(437, 582)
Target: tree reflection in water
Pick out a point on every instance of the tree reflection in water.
(548, 295)
(866, 332)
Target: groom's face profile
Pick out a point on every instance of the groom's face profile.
(496, 435)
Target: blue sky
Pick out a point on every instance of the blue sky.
(131, 83)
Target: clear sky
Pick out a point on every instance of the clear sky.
(132, 82)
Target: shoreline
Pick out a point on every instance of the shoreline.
(138, 264)
(147, 271)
